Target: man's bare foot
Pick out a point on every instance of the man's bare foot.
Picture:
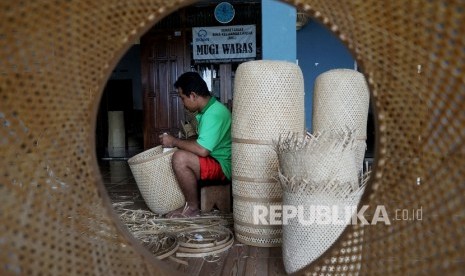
(184, 212)
(177, 211)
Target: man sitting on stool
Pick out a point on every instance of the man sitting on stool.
(208, 157)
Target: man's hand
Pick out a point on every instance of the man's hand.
(166, 140)
(169, 141)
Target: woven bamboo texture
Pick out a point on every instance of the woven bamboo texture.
(326, 156)
(156, 181)
(56, 56)
(268, 101)
(341, 100)
(319, 180)
(308, 235)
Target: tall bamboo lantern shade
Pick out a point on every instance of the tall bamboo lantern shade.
(268, 102)
(340, 103)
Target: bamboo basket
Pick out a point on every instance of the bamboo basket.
(269, 101)
(316, 173)
(156, 181)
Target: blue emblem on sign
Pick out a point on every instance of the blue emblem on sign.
(202, 36)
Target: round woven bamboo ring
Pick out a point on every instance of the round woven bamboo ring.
(169, 251)
(190, 245)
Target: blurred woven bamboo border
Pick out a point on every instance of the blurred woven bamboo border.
(406, 49)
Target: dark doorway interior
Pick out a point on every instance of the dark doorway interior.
(117, 96)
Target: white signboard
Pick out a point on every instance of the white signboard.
(224, 43)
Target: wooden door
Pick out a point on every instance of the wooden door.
(162, 58)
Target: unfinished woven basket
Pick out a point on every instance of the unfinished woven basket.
(156, 181)
(322, 157)
(269, 101)
(316, 172)
(341, 100)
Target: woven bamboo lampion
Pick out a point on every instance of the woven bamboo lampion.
(156, 181)
(269, 101)
(319, 179)
(56, 56)
(341, 100)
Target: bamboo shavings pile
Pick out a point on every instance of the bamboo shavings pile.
(161, 245)
(160, 235)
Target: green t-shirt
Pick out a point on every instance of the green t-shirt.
(214, 128)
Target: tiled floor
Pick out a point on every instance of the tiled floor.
(120, 183)
(240, 259)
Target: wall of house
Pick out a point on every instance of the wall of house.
(278, 31)
(315, 48)
(319, 50)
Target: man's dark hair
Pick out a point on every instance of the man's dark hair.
(192, 82)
